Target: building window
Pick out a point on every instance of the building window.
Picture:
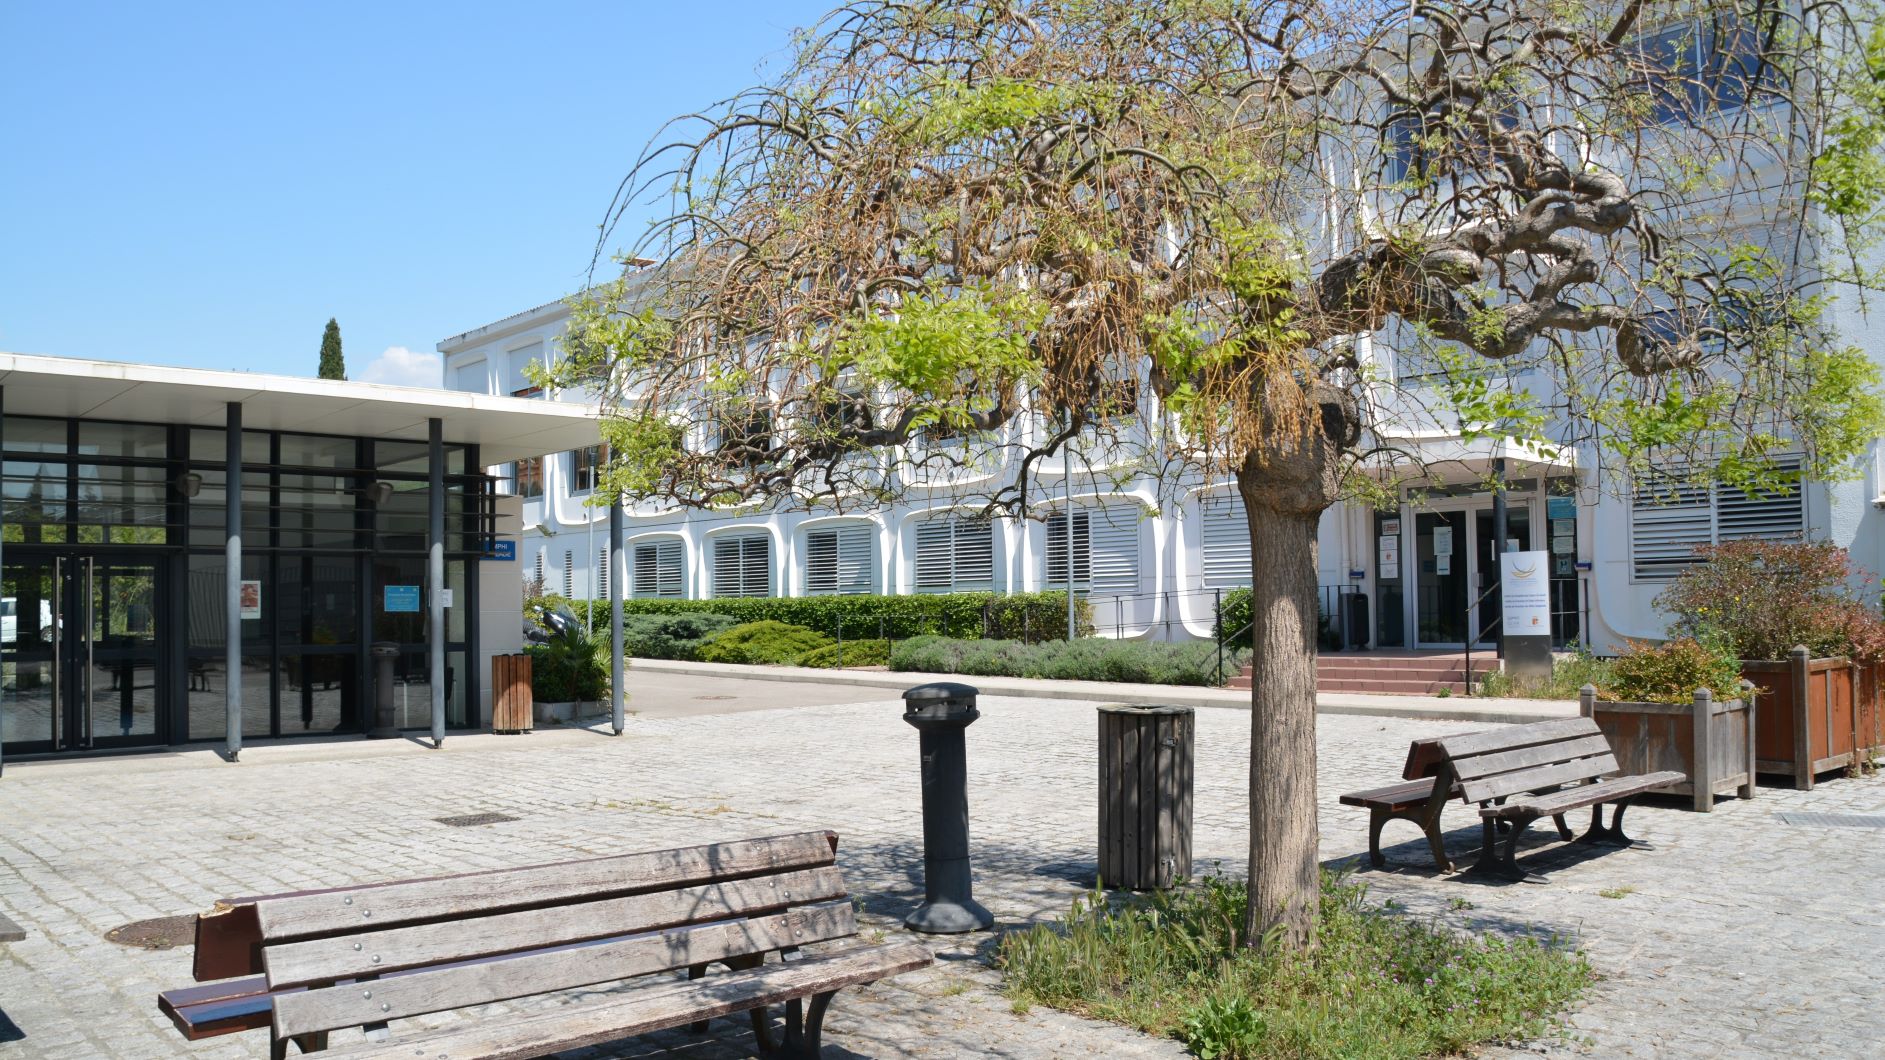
(839, 561)
(955, 555)
(528, 477)
(1223, 541)
(742, 566)
(1694, 69)
(1104, 551)
(659, 570)
(585, 467)
(1670, 518)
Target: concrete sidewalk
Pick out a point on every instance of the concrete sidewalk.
(1459, 708)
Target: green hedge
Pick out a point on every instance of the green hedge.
(1088, 659)
(766, 642)
(1030, 617)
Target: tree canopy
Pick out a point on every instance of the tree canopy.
(1262, 241)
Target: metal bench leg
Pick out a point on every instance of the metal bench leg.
(697, 971)
(815, 1023)
(1564, 830)
(1503, 864)
(1377, 819)
(1437, 843)
(1611, 834)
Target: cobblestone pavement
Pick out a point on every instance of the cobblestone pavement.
(1739, 935)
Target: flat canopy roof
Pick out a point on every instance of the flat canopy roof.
(505, 428)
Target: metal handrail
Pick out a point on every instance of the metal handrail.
(1472, 634)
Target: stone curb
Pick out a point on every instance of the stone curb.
(1493, 711)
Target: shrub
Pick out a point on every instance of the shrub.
(1765, 597)
(1569, 674)
(762, 642)
(1670, 673)
(1016, 616)
(677, 636)
(1378, 984)
(1087, 659)
(850, 653)
(570, 667)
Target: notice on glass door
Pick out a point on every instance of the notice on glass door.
(1388, 559)
(249, 595)
(1442, 540)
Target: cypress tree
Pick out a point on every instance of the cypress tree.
(333, 365)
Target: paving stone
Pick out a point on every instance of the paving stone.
(1738, 935)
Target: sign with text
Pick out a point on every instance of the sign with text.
(503, 550)
(402, 598)
(1525, 593)
(249, 593)
(1443, 540)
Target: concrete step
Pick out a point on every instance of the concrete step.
(1405, 673)
(1390, 687)
(1481, 662)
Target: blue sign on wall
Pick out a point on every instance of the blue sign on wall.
(402, 598)
(503, 550)
(1560, 507)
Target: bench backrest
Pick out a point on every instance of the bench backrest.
(371, 954)
(1496, 763)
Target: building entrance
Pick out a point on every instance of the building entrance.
(80, 657)
(1456, 574)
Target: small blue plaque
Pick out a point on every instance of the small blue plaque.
(402, 598)
(504, 550)
(1560, 507)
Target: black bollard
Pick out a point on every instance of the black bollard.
(384, 722)
(940, 712)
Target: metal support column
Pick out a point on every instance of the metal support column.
(232, 579)
(435, 569)
(1498, 547)
(617, 667)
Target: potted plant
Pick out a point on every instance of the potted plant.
(1812, 648)
(1681, 706)
(569, 673)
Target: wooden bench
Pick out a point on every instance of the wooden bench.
(1419, 798)
(315, 962)
(1549, 768)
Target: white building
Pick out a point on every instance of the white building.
(1159, 575)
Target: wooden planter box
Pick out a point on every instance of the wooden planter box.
(1814, 714)
(1712, 742)
(511, 708)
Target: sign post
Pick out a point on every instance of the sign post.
(1525, 613)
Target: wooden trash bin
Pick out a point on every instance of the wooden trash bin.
(511, 704)
(1145, 795)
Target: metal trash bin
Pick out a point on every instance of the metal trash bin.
(1145, 795)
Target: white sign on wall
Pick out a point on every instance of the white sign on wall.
(1525, 593)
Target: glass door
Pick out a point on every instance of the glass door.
(1518, 537)
(82, 666)
(1440, 565)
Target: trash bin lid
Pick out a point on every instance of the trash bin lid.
(1144, 708)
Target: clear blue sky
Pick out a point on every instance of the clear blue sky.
(205, 184)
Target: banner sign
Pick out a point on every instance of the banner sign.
(1525, 593)
(402, 598)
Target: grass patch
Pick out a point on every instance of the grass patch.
(1568, 674)
(1380, 983)
(1616, 892)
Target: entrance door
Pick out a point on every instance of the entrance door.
(1518, 538)
(78, 636)
(1441, 549)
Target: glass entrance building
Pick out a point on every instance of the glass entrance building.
(122, 622)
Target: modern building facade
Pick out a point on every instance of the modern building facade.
(137, 581)
(1153, 568)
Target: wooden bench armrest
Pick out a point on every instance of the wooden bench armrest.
(642, 1011)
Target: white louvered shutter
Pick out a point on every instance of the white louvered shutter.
(602, 573)
(1058, 546)
(742, 566)
(1779, 516)
(838, 560)
(1114, 550)
(569, 575)
(1670, 518)
(935, 555)
(658, 570)
(955, 555)
(1224, 541)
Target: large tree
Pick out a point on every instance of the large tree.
(333, 363)
(992, 233)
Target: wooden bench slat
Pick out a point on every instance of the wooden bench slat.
(562, 968)
(368, 908)
(1467, 744)
(611, 1019)
(1585, 795)
(1538, 777)
(378, 952)
(1393, 796)
(1486, 765)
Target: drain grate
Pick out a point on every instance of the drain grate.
(163, 933)
(470, 820)
(713, 697)
(1834, 820)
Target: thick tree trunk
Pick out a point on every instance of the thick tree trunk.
(1284, 867)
